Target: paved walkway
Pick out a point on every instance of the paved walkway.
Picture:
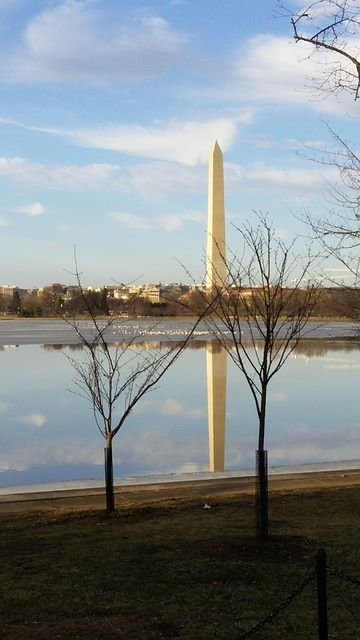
(166, 493)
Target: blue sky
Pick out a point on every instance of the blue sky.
(108, 112)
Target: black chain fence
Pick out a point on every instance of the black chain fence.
(340, 574)
(270, 617)
(319, 573)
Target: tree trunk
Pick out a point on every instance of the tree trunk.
(109, 481)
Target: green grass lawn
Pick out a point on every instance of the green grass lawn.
(179, 572)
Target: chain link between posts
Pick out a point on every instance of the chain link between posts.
(340, 574)
(270, 617)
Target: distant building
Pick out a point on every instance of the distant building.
(118, 291)
(151, 293)
(198, 287)
(9, 290)
(72, 292)
(175, 288)
(56, 288)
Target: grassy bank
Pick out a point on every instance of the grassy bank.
(178, 572)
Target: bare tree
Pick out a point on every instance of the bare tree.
(331, 27)
(338, 229)
(115, 377)
(259, 314)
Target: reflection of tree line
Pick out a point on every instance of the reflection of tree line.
(60, 347)
(312, 348)
(138, 344)
(316, 348)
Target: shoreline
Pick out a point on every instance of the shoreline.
(170, 491)
(168, 478)
(186, 316)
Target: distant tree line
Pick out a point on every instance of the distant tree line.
(337, 302)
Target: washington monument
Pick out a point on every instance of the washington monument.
(215, 279)
(215, 254)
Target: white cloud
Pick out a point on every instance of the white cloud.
(5, 5)
(342, 366)
(322, 8)
(277, 396)
(266, 141)
(183, 141)
(166, 177)
(281, 233)
(309, 445)
(155, 179)
(73, 42)
(34, 419)
(63, 227)
(337, 270)
(273, 69)
(4, 406)
(3, 222)
(68, 176)
(20, 169)
(265, 177)
(259, 68)
(180, 141)
(148, 178)
(345, 364)
(162, 450)
(191, 467)
(77, 451)
(166, 222)
(172, 407)
(32, 209)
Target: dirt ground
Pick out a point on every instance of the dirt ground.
(168, 492)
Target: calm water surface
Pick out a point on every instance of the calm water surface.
(48, 434)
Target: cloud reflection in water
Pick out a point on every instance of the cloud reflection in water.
(313, 416)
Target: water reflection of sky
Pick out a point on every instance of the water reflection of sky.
(48, 434)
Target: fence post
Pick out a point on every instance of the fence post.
(321, 593)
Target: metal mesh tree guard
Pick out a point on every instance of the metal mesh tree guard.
(262, 493)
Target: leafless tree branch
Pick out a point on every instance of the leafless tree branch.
(332, 26)
(115, 377)
(267, 295)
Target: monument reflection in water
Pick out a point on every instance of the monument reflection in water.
(216, 357)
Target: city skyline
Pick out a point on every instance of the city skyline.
(109, 114)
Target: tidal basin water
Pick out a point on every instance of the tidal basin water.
(48, 434)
